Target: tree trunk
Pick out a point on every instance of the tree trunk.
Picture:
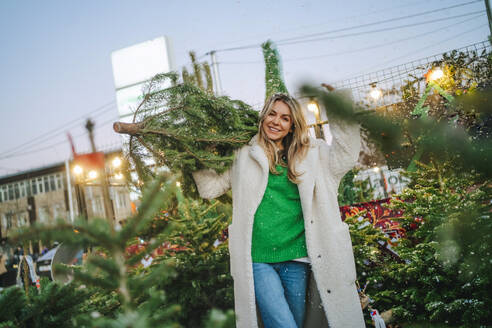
(127, 128)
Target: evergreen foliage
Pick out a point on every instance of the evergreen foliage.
(12, 303)
(197, 70)
(201, 71)
(274, 82)
(371, 257)
(445, 273)
(53, 306)
(169, 293)
(100, 303)
(202, 279)
(433, 137)
(468, 78)
(185, 128)
(219, 319)
(351, 191)
(442, 275)
(109, 269)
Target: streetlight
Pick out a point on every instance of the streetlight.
(78, 171)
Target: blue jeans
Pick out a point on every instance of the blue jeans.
(280, 290)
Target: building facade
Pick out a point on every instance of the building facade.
(46, 194)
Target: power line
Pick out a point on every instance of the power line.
(380, 30)
(268, 35)
(57, 131)
(55, 144)
(413, 51)
(61, 127)
(8, 169)
(393, 72)
(345, 29)
(340, 53)
(377, 23)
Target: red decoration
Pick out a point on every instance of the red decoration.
(90, 161)
(378, 215)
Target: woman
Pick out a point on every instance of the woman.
(285, 215)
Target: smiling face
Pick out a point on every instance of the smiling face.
(278, 122)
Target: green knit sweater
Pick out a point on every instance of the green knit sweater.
(278, 229)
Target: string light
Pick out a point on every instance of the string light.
(116, 162)
(92, 174)
(78, 170)
(313, 107)
(375, 92)
(436, 74)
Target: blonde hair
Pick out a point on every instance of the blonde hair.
(295, 143)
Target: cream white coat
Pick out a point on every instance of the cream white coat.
(327, 237)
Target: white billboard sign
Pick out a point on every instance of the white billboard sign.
(133, 67)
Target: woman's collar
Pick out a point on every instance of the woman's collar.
(254, 140)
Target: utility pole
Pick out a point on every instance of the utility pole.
(489, 16)
(69, 191)
(80, 197)
(215, 68)
(108, 204)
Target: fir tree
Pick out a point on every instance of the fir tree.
(202, 264)
(54, 305)
(274, 81)
(128, 294)
(445, 276)
(109, 268)
(351, 191)
(443, 272)
(433, 137)
(186, 129)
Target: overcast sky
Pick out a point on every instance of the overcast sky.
(55, 57)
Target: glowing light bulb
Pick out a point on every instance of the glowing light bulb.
(77, 169)
(313, 107)
(92, 174)
(118, 176)
(116, 162)
(375, 93)
(436, 74)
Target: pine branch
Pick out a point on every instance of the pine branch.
(436, 138)
(196, 70)
(152, 200)
(156, 243)
(274, 81)
(208, 77)
(187, 129)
